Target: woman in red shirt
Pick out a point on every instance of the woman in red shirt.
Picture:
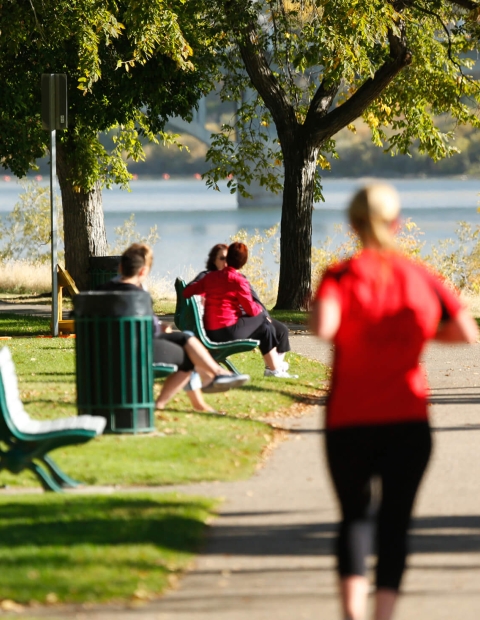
(216, 261)
(231, 313)
(379, 308)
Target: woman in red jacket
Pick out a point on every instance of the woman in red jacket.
(231, 313)
(216, 261)
(379, 308)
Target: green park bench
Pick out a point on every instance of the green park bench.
(189, 317)
(163, 370)
(28, 441)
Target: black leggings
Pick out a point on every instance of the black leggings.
(256, 327)
(169, 349)
(398, 454)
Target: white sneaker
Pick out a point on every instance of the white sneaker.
(283, 366)
(280, 374)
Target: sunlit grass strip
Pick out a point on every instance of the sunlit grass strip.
(96, 548)
(298, 317)
(20, 325)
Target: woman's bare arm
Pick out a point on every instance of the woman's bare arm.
(462, 328)
(325, 318)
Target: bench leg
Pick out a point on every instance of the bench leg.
(231, 366)
(58, 475)
(47, 482)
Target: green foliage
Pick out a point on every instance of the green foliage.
(457, 260)
(311, 59)
(327, 252)
(245, 152)
(311, 68)
(25, 231)
(129, 64)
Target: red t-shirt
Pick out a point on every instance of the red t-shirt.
(390, 306)
(227, 297)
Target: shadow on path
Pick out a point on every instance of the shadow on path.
(435, 534)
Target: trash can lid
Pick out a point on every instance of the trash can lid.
(103, 263)
(113, 304)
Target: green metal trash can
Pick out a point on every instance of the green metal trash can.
(114, 357)
(102, 269)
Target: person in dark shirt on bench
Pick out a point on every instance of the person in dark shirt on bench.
(180, 348)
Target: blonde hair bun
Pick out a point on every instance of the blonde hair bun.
(372, 211)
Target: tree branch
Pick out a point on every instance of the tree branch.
(262, 77)
(329, 124)
(466, 4)
(321, 102)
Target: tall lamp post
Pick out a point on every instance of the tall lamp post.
(54, 116)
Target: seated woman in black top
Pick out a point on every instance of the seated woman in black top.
(179, 348)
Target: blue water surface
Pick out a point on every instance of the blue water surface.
(191, 218)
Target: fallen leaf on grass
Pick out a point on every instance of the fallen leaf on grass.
(172, 580)
(141, 594)
(9, 605)
(51, 598)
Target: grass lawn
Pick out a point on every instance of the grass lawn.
(188, 447)
(17, 325)
(299, 317)
(61, 548)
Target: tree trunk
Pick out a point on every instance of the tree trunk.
(83, 223)
(294, 288)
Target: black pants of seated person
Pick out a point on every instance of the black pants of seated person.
(256, 327)
(281, 333)
(169, 349)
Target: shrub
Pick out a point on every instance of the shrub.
(263, 280)
(25, 242)
(458, 260)
(25, 231)
(126, 234)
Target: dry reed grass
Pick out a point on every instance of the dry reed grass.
(457, 260)
(21, 277)
(472, 302)
(163, 288)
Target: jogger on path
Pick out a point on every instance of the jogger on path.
(379, 309)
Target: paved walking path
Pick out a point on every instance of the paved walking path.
(269, 554)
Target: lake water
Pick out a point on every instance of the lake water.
(191, 219)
